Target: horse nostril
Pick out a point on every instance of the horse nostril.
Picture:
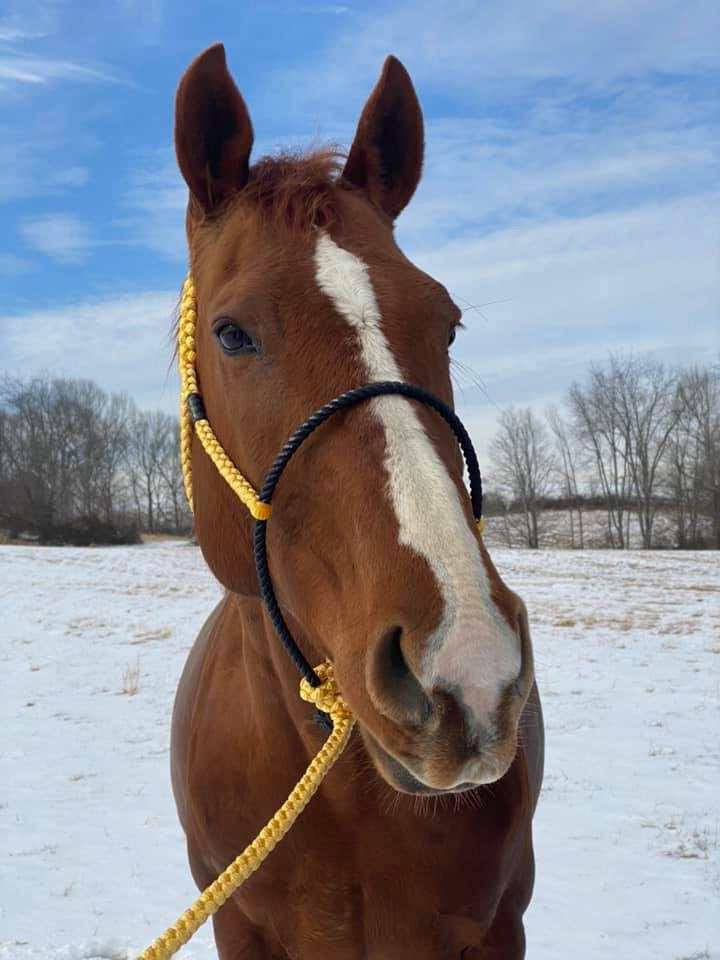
(396, 661)
(398, 692)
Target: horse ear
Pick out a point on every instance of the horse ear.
(387, 154)
(213, 133)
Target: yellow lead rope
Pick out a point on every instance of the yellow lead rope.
(327, 698)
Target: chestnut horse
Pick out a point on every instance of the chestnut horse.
(418, 845)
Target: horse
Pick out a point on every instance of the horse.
(419, 843)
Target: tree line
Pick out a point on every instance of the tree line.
(637, 439)
(80, 466)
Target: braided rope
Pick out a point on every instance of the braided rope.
(326, 698)
(368, 391)
(267, 592)
(205, 433)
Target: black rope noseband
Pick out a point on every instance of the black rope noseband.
(343, 402)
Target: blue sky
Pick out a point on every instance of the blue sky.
(571, 180)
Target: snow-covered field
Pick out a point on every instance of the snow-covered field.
(92, 861)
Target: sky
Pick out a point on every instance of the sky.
(570, 200)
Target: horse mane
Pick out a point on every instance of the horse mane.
(293, 190)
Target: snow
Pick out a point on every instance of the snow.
(92, 860)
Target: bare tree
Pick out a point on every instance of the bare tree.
(147, 436)
(155, 474)
(523, 461)
(569, 472)
(71, 457)
(682, 470)
(114, 487)
(79, 408)
(595, 410)
(648, 414)
(699, 401)
(36, 453)
(170, 473)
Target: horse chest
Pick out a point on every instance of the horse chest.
(330, 894)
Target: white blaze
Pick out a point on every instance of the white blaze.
(474, 650)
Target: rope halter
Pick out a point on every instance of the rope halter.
(318, 685)
(194, 417)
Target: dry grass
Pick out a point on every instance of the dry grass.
(160, 537)
(688, 843)
(10, 542)
(148, 635)
(131, 680)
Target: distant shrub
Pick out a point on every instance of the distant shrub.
(90, 531)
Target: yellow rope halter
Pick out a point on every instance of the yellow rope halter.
(326, 697)
(205, 433)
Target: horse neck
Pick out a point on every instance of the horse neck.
(270, 678)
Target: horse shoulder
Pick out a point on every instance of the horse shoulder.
(185, 700)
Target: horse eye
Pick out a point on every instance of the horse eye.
(451, 338)
(233, 339)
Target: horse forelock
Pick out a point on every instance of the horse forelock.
(294, 190)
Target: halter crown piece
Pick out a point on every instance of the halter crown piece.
(317, 685)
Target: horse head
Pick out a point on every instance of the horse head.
(303, 293)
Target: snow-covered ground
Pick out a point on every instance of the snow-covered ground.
(92, 861)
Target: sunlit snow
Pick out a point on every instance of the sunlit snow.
(92, 860)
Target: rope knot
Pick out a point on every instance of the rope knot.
(326, 697)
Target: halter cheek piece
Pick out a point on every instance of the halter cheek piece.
(194, 417)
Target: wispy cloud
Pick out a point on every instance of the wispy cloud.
(37, 157)
(40, 71)
(31, 18)
(574, 289)
(325, 9)
(481, 173)
(10, 34)
(62, 237)
(483, 50)
(146, 18)
(21, 68)
(156, 201)
(24, 20)
(620, 272)
(125, 344)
